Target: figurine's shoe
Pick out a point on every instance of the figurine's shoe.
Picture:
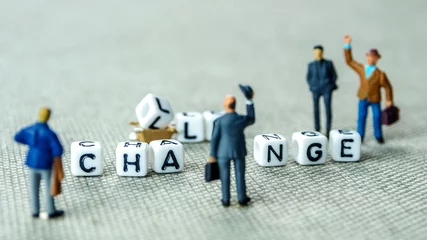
(57, 213)
(245, 202)
(225, 203)
(35, 215)
(380, 140)
(247, 91)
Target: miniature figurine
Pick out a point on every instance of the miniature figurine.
(372, 79)
(228, 143)
(321, 78)
(44, 162)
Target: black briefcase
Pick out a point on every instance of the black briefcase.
(390, 115)
(211, 171)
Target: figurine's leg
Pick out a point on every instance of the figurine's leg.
(34, 191)
(316, 97)
(239, 168)
(363, 112)
(224, 175)
(376, 110)
(327, 98)
(50, 202)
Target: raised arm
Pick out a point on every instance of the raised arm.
(250, 113)
(356, 66)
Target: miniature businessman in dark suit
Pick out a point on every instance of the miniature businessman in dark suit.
(228, 143)
(44, 162)
(321, 78)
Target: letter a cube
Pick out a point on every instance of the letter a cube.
(309, 147)
(166, 156)
(132, 159)
(270, 150)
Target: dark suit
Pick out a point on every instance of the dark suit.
(321, 78)
(228, 143)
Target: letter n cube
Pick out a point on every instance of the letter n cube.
(270, 150)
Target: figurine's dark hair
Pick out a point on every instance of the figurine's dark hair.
(318, 47)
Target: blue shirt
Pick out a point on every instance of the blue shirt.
(369, 69)
(43, 145)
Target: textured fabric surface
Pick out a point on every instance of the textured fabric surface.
(93, 61)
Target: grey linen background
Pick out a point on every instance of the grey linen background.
(93, 61)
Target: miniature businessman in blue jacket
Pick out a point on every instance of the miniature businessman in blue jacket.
(321, 78)
(43, 158)
(228, 143)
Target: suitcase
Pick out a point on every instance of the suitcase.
(211, 172)
(390, 115)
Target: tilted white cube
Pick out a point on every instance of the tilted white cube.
(166, 156)
(270, 150)
(86, 158)
(154, 112)
(344, 145)
(190, 127)
(132, 159)
(209, 117)
(309, 147)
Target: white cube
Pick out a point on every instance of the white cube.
(86, 158)
(270, 150)
(209, 117)
(309, 147)
(190, 127)
(166, 156)
(344, 145)
(132, 159)
(154, 112)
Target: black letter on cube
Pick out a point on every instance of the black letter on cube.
(82, 161)
(278, 156)
(343, 147)
(310, 134)
(160, 106)
(318, 152)
(174, 163)
(275, 136)
(83, 144)
(186, 135)
(165, 142)
(126, 162)
(127, 144)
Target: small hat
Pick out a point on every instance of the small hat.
(373, 51)
(247, 90)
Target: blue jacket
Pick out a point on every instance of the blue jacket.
(321, 76)
(228, 139)
(44, 145)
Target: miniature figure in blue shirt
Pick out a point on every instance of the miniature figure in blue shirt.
(371, 79)
(228, 143)
(321, 77)
(44, 152)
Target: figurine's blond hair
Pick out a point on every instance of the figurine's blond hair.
(44, 114)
